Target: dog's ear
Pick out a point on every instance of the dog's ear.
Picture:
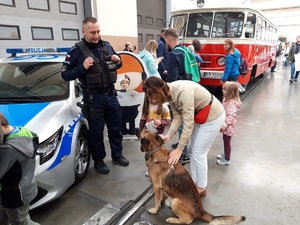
(159, 139)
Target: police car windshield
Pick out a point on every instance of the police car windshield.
(32, 82)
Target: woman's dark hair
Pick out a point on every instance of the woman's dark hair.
(156, 87)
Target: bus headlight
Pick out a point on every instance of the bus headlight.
(47, 148)
(221, 61)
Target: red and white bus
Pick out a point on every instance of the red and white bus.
(251, 32)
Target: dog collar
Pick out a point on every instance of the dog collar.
(148, 154)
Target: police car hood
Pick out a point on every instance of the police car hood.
(42, 118)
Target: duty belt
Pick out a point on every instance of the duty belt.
(101, 91)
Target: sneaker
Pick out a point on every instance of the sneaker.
(296, 80)
(184, 159)
(122, 161)
(101, 167)
(147, 174)
(222, 156)
(174, 146)
(223, 162)
(291, 81)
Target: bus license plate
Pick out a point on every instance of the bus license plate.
(212, 75)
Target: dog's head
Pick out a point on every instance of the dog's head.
(149, 140)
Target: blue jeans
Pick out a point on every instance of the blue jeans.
(294, 75)
(286, 62)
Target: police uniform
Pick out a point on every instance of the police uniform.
(101, 105)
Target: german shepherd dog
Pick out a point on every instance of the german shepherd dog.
(174, 184)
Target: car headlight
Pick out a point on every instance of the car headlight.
(47, 148)
(221, 61)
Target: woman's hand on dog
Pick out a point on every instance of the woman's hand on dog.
(174, 156)
(166, 138)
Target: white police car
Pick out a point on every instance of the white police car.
(33, 94)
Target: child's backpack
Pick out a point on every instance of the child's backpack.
(243, 66)
(191, 68)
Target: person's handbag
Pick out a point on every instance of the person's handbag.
(202, 115)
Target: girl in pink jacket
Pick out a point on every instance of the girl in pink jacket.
(232, 104)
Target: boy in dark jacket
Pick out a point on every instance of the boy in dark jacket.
(17, 165)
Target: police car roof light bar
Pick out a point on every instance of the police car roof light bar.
(14, 51)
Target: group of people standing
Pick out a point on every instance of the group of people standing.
(165, 92)
(290, 55)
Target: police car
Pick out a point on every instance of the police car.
(33, 94)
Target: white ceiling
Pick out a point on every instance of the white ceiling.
(285, 14)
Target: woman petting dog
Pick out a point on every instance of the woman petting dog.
(186, 99)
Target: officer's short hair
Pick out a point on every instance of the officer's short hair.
(89, 19)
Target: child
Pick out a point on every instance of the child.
(129, 104)
(17, 165)
(155, 114)
(232, 104)
(198, 57)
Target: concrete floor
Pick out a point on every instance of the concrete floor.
(261, 183)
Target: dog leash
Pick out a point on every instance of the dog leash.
(148, 154)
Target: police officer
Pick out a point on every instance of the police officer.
(94, 62)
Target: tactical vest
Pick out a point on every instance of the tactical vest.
(99, 78)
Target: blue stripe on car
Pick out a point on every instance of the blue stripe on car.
(65, 148)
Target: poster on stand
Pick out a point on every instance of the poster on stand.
(297, 62)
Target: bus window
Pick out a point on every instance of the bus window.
(228, 24)
(263, 31)
(258, 31)
(179, 23)
(250, 26)
(199, 24)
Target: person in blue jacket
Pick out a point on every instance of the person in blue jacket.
(162, 51)
(232, 63)
(148, 55)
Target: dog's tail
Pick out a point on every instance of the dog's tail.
(222, 220)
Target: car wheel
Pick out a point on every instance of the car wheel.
(82, 158)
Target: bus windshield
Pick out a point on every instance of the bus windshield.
(210, 24)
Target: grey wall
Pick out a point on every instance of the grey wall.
(155, 10)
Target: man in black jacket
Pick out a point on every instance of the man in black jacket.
(96, 70)
(162, 51)
(295, 49)
(176, 56)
